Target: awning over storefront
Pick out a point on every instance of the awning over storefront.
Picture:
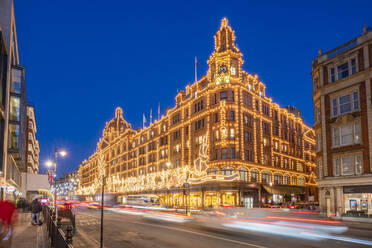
(284, 190)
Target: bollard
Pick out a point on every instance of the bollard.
(69, 235)
(59, 223)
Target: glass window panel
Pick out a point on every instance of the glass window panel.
(353, 66)
(346, 135)
(356, 100)
(336, 136)
(336, 167)
(357, 132)
(343, 71)
(358, 164)
(17, 80)
(14, 108)
(334, 106)
(345, 104)
(347, 165)
(13, 136)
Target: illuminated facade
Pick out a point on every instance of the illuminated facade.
(224, 137)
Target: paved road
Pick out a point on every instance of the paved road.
(123, 230)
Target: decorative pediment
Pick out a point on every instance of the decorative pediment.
(344, 119)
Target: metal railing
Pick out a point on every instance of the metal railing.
(58, 239)
(68, 214)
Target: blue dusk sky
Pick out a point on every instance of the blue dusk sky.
(84, 58)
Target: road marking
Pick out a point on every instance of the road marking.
(200, 234)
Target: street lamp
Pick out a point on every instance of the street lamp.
(49, 163)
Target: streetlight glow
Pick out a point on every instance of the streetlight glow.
(49, 163)
(168, 164)
(63, 153)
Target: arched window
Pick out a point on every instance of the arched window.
(278, 179)
(266, 177)
(294, 180)
(227, 171)
(254, 175)
(212, 171)
(243, 174)
(286, 179)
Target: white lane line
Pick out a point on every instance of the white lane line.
(200, 234)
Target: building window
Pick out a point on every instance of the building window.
(265, 177)
(233, 70)
(353, 66)
(17, 80)
(345, 104)
(332, 74)
(254, 175)
(248, 155)
(265, 109)
(317, 113)
(346, 135)
(14, 114)
(232, 133)
(232, 115)
(247, 136)
(223, 95)
(257, 105)
(13, 136)
(285, 180)
(232, 96)
(266, 127)
(224, 153)
(216, 117)
(294, 180)
(266, 142)
(348, 165)
(243, 174)
(342, 71)
(232, 153)
(278, 179)
(227, 171)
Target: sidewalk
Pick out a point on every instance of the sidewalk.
(29, 236)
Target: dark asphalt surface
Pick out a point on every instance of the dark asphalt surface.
(123, 230)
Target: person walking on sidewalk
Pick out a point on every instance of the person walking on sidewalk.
(35, 211)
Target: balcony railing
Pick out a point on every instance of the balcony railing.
(343, 48)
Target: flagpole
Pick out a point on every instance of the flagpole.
(196, 67)
(159, 111)
(150, 116)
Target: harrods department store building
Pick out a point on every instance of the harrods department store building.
(224, 137)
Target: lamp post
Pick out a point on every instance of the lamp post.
(49, 163)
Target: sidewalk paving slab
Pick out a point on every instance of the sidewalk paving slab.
(29, 236)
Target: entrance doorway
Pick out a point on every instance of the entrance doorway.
(248, 202)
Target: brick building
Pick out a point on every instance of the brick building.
(224, 137)
(342, 81)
